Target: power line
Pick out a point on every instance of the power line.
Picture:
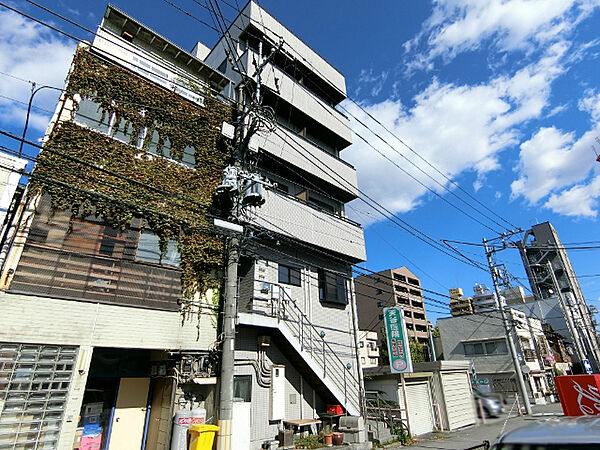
(309, 64)
(233, 24)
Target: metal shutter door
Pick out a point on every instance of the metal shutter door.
(459, 401)
(420, 409)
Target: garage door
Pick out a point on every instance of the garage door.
(459, 401)
(420, 409)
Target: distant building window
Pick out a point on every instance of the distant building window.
(361, 344)
(415, 292)
(401, 289)
(289, 275)
(402, 300)
(332, 287)
(495, 347)
(223, 66)
(149, 250)
(378, 292)
(413, 281)
(399, 277)
(242, 387)
(362, 359)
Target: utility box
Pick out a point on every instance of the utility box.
(579, 394)
(277, 407)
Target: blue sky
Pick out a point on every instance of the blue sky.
(500, 96)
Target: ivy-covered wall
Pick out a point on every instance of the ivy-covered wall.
(142, 105)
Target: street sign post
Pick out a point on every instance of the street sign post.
(397, 340)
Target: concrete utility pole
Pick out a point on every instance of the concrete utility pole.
(224, 435)
(233, 186)
(509, 330)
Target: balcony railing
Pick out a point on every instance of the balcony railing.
(296, 94)
(65, 274)
(300, 221)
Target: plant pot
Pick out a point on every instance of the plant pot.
(338, 438)
(328, 439)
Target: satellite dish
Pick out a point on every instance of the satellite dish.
(525, 369)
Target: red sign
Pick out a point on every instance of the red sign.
(579, 394)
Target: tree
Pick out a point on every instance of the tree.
(416, 349)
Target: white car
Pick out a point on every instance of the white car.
(558, 433)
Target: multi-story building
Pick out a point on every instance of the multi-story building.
(459, 305)
(392, 287)
(540, 248)
(296, 341)
(110, 296)
(481, 338)
(483, 300)
(515, 295)
(368, 351)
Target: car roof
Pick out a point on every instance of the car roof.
(556, 430)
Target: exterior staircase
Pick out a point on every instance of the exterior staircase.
(282, 313)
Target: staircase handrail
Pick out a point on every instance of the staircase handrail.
(326, 347)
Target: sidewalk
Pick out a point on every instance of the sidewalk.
(475, 435)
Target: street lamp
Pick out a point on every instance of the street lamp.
(34, 90)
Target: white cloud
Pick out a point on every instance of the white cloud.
(553, 160)
(375, 80)
(456, 26)
(591, 104)
(578, 201)
(458, 128)
(31, 52)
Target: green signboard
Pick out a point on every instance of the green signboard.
(397, 340)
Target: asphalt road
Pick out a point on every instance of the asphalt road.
(475, 435)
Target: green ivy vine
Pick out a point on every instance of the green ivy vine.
(84, 190)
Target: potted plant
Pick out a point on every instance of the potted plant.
(327, 436)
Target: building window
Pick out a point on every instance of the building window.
(34, 384)
(332, 287)
(289, 275)
(496, 347)
(223, 66)
(401, 289)
(361, 344)
(399, 277)
(242, 387)
(402, 300)
(413, 281)
(91, 115)
(362, 359)
(149, 250)
(415, 293)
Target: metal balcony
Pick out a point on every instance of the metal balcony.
(296, 219)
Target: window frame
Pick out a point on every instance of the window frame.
(287, 276)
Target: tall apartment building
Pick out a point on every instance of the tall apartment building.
(296, 342)
(540, 246)
(483, 300)
(110, 296)
(459, 304)
(392, 287)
